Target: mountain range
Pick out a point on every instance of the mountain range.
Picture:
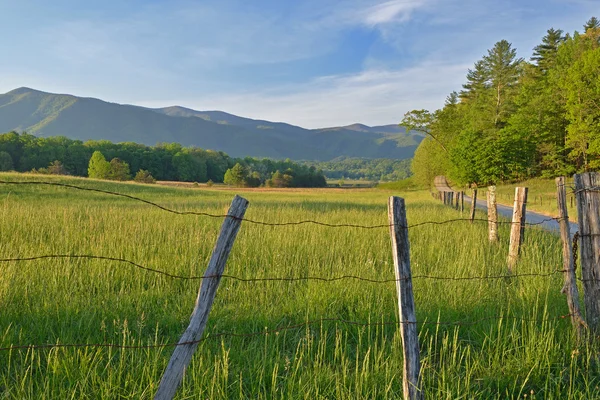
(48, 114)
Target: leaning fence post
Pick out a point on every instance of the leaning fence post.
(473, 204)
(570, 287)
(517, 228)
(182, 355)
(492, 214)
(406, 301)
(587, 190)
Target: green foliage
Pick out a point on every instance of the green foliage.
(280, 180)
(47, 115)
(407, 184)
(166, 161)
(6, 161)
(119, 170)
(99, 168)
(144, 176)
(236, 176)
(383, 169)
(57, 168)
(518, 120)
(430, 161)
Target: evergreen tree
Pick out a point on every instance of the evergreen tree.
(592, 23)
(544, 54)
(503, 68)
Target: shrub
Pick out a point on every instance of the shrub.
(144, 176)
(56, 168)
(119, 170)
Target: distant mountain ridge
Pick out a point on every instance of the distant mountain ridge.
(49, 114)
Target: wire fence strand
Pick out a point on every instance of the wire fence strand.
(264, 223)
(284, 279)
(278, 330)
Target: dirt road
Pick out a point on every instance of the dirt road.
(441, 184)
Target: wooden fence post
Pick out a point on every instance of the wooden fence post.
(182, 355)
(473, 204)
(492, 214)
(462, 201)
(406, 302)
(517, 228)
(450, 199)
(570, 287)
(456, 200)
(587, 190)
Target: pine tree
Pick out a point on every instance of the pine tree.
(592, 23)
(503, 68)
(544, 54)
(477, 82)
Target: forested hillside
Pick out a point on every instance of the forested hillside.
(47, 114)
(377, 169)
(517, 119)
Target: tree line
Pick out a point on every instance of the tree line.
(375, 169)
(23, 152)
(516, 119)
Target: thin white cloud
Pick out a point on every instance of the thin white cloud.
(373, 97)
(394, 10)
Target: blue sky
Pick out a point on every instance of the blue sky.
(313, 63)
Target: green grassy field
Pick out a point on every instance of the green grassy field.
(541, 196)
(530, 351)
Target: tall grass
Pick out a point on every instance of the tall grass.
(529, 351)
(541, 196)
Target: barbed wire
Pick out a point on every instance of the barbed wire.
(278, 330)
(285, 279)
(263, 223)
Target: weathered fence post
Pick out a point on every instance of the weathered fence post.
(182, 355)
(587, 190)
(570, 287)
(462, 201)
(517, 228)
(473, 204)
(450, 199)
(492, 214)
(406, 301)
(456, 200)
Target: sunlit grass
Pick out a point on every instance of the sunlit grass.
(91, 301)
(541, 196)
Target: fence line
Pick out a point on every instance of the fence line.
(407, 322)
(281, 329)
(251, 221)
(284, 279)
